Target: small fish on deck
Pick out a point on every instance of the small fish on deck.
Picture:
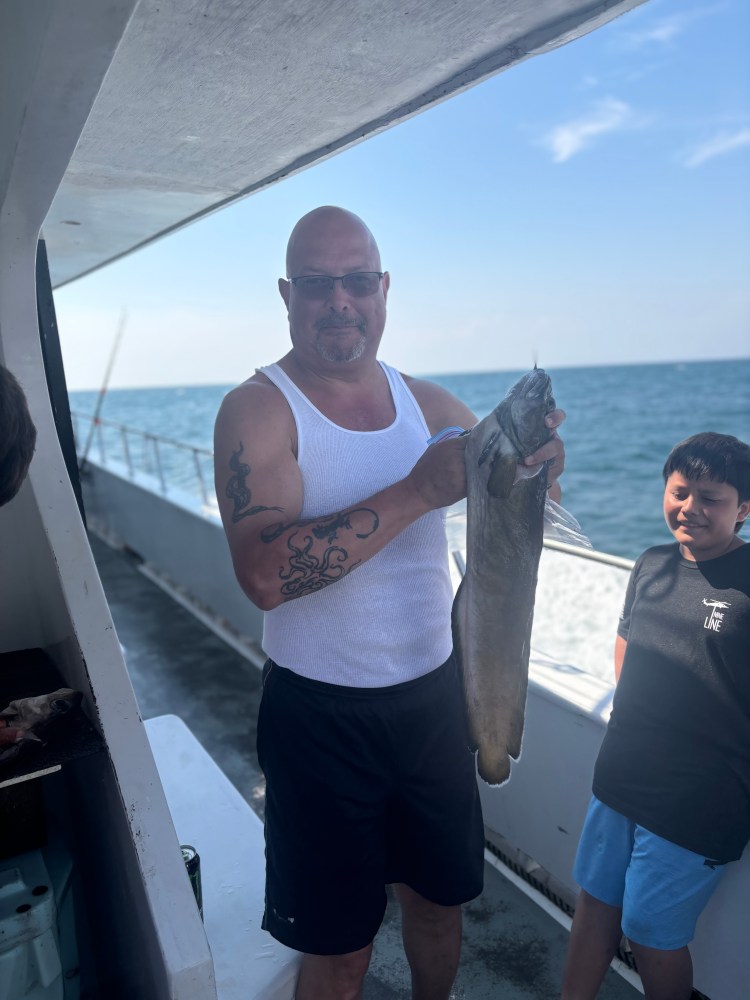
(494, 606)
(34, 718)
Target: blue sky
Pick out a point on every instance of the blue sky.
(590, 206)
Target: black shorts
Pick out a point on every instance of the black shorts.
(364, 787)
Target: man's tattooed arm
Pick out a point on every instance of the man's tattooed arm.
(317, 546)
(238, 491)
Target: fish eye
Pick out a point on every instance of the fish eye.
(60, 705)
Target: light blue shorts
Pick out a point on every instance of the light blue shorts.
(661, 888)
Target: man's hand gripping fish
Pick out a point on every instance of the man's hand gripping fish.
(494, 606)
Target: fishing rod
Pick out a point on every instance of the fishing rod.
(103, 390)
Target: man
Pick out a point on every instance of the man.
(331, 503)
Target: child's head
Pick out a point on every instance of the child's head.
(707, 491)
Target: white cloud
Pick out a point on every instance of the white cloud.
(608, 115)
(665, 30)
(662, 32)
(719, 145)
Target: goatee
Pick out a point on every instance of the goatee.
(339, 353)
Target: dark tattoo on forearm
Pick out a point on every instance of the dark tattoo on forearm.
(238, 492)
(307, 571)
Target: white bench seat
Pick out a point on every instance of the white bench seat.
(210, 814)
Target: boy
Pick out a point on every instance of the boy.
(671, 804)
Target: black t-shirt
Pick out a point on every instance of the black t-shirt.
(676, 755)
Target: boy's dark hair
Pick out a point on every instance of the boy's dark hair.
(720, 457)
(17, 436)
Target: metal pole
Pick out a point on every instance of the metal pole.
(159, 469)
(126, 449)
(105, 384)
(199, 470)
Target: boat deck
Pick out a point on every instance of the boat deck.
(512, 948)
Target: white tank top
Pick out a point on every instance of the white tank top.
(388, 620)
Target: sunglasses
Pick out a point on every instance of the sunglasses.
(319, 286)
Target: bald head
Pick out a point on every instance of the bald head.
(342, 324)
(326, 227)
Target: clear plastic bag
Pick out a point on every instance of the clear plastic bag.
(561, 526)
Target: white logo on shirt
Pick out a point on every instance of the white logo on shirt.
(715, 620)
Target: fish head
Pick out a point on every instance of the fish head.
(32, 713)
(522, 413)
(514, 430)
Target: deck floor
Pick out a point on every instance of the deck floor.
(511, 949)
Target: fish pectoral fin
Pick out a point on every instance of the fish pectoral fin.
(487, 450)
(502, 476)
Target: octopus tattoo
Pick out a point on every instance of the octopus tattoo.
(308, 571)
(237, 490)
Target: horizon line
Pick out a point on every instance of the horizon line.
(453, 373)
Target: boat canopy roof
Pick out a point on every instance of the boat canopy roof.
(206, 102)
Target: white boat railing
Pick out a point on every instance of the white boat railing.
(172, 464)
(459, 557)
(593, 554)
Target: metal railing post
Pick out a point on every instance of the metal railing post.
(100, 439)
(157, 459)
(199, 472)
(126, 449)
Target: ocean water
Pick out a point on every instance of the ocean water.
(621, 423)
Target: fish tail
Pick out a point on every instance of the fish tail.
(491, 769)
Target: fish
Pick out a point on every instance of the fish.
(35, 717)
(493, 608)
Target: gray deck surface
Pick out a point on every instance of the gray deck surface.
(512, 950)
